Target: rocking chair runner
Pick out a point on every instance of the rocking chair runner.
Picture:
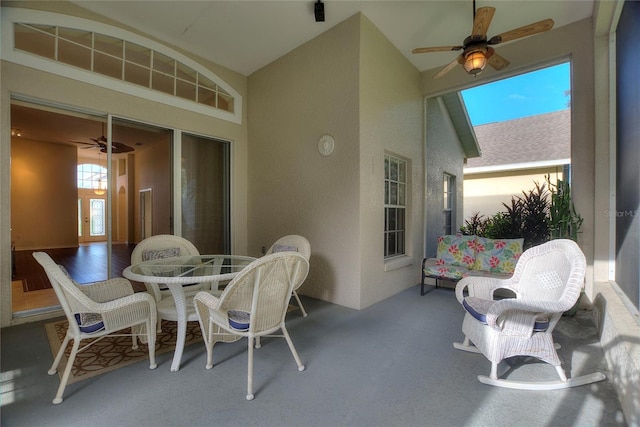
(547, 282)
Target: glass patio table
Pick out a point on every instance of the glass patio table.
(177, 272)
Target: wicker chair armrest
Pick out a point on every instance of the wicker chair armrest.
(107, 290)
(208, 309)
(480, 287)
(119, 313)
(519, 316)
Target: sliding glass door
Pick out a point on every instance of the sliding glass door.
(86, 188)
(204, 187)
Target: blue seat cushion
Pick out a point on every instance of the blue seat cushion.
(239, 319)
(89, 322)
(478, 308)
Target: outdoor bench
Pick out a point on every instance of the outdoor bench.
(459, 256)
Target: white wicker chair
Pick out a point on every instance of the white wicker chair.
(293, 243)
(547, 282)
(262, 290)
(164, 246)
(110, 305)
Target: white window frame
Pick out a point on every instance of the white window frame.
(394, 204)
(8, 53)
(449, 203)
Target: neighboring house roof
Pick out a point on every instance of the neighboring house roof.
(540, 140)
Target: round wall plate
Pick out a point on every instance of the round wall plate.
(326, 145)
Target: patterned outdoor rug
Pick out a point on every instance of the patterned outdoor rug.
(111, 353)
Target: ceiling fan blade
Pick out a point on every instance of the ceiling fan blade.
(449, 67)
(436, 49)
(496, 61)
(119, 147)
(527, 30)
(482, 20)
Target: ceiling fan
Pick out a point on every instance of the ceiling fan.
(101, 143)
(477, 50)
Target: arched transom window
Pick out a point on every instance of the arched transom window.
(117, 59)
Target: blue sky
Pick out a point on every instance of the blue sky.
(538, 92)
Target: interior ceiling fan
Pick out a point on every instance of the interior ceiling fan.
(477, 50)
(101, 143)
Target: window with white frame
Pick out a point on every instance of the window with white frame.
(395, 196)
(448, 185)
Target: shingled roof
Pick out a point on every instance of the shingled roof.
(534, 139)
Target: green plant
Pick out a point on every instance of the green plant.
(526, 216)
(535, 215)
(475, 225)
(564, 221)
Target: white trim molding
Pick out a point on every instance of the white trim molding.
(29, 16)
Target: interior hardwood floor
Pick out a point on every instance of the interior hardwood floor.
(87, 263)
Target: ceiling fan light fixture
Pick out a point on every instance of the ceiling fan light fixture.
(475, 62)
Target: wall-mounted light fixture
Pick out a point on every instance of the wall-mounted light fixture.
(16, 132)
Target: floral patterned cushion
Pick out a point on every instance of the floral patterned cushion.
(497, 255)
(453, 272)
(456, 250)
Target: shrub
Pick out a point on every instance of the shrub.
(527, 216)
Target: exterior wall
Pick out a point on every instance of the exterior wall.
(443, 155)
(391, 114)
(36, 84)
(485, 193)
(349, 82)
(293, 189)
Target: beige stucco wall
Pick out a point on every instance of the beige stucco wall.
(391, 115)
(293, 189)
(485, 193)
(351, 83)
(36, 84)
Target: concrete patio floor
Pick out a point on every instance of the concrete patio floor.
(392, 364)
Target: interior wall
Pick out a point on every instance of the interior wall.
(391, 115)
(153, 170)
(309, 92)
(444, 154)
(627, 214)
(44, 208)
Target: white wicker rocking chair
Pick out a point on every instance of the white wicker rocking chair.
(293, 243)
(96, 310)
(254, 304)
(547, 282)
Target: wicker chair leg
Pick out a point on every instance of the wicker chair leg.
(56, 362)
(292, 348)
(304, 313)
(250, 370)
(494, 371)
(67, 371)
